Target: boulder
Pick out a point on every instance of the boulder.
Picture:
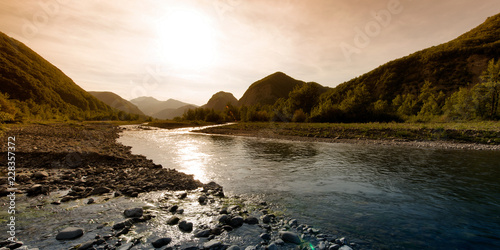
(290, 237)
(251, 220)
(173, 220)
(236, 222)
(185, 226)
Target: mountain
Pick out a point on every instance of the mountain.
(151, 106)
(268, 90)
(447, 67)
(172, 113)
(115, 101)
(40, 88)
(219, 101)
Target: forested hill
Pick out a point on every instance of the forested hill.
(448, 66)
(31, 86)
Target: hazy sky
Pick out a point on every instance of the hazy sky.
(189, 50)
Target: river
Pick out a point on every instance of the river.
(382, 197)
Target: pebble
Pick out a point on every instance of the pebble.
(202, 199)
(345, 247)
(173, 220)
(236, 222)
(70, 233)
(233, 247)
(185, 226)
(133, 212)
(123, 224)
(161, 242)
(251, 220)
(202, 233)
(224, 219)
(213, 244)
(40, 175)
(173, 208)
(267, 218)
(293, 223)
(265, 236)
(272, 247)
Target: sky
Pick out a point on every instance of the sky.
(188, 50)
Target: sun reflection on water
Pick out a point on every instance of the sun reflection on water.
(192, 160)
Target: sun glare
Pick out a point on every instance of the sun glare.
(186, 39)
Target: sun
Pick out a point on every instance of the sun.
(186, 39)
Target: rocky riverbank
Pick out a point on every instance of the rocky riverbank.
(76, 188)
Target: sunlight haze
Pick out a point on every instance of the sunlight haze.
(189, 50)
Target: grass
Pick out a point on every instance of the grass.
(471, 132)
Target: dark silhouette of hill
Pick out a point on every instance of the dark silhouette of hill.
(40, 87)
(172, 113)
(115, 101)
(220, 100)
(268, 90)
(151, 106)
(448, 67)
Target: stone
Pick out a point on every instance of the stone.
(101, 190)
(185, 226)
(322, 245)
(233, 247)
(161, 242)
(69, 233)
(251, 220)
(173, 220)
(272, 247)
(343, 241)
(224, 219)
(40, 175)
(293, 223)
(202, 199)
(223, 210)
(265, 236)
(179, 211)
(213, 244)
(233, 208)
(236, 222)
(37, 189)
(182, 195)
(290, 237)
(123, 224)
(87, 245)
(90, 201)
(334, 247)
(267, 218)
(173, 208)
(202, 233)
(216, 230)
(133, 212)
(227, 228)
(345, 247)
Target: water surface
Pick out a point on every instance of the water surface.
(380, 196)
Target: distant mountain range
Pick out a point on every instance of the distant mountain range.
(115, 101)
(220, 100)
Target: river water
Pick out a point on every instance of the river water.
(382, 197)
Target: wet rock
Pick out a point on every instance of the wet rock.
(233, 208)
(173, 208)
(182, 196)
(123, 224)
(334, 247)
(223, 210)
(343, 241)
(101, 190)
(265, 236)
(40, 175)
(272, 247)
(161, 242)
(87, 245)
(227, 228)
(90, 201)
(179, 211)
(251, 220)
(69, 233)
(37, 189)
(185, 226)
(173, 220)
(225, 219)
(202, 233)
(345, 247)
(202, 199)
(123, 231)
(267, 218)
(117, 194)
(133, 212)
(290, 237)
(293, 223)
(322, 245)
(213, 244)
(236, 222)
(233, 247)
(216, 230)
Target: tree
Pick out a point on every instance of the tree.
(491, 83)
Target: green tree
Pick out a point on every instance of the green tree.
(491, 84)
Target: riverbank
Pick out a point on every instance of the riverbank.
(473, 136)
(77, 188)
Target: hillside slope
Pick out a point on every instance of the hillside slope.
(220, 100)
(151, 106)
(115, 101)
(448, 67)
(40, 87)
(268, 90)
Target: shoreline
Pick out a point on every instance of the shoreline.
(275, 132)
(82, 176)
